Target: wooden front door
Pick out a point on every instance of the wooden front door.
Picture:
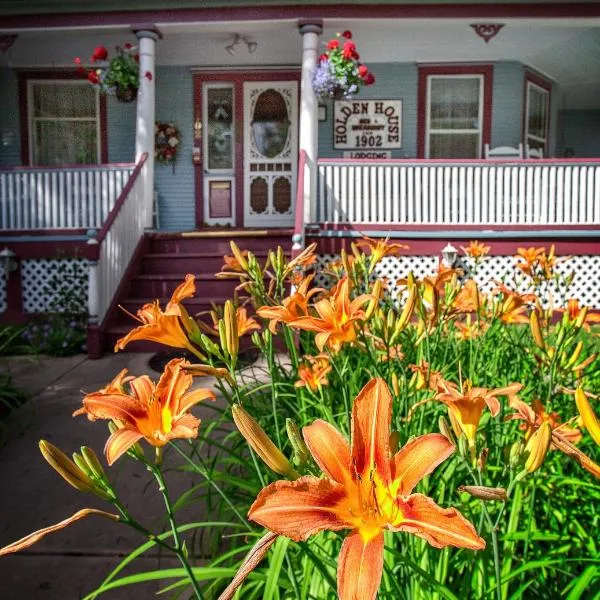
(245, 148)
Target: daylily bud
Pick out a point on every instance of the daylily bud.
(376, 297)
(582, 365)
(445, 429)
(463, 446)
(514, 456)
(93, 463)
(231, 329)
(301, 452)
(581, 317)
(238, 256)
(409, 307)
(69, 471)
(260, 442)
(537, 447)
(575, 354)
(590, 421)
(534, 323)
(395, 384)
(209, 345)
(484, 493)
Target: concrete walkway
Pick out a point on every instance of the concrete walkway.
(71, 563)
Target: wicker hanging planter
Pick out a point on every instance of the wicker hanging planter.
(126, 94)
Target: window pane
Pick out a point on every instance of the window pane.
(448, 145)
(65, 142)
(538, 106)
(220, 128)
(270, 124)
(64, 100)
(454, 103)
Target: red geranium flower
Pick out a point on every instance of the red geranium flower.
(127, 45)
(362, 70)
(369, 78)
(349, 49)
(92, 77)
(333, 44)
(323, 57)
(347, 34)
(77, 60)
(148, 75)
(100, 53)
(136, 57)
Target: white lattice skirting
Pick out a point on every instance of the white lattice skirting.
(585, 286)
(41, 277)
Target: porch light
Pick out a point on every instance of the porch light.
(449, 254)
(8, 261)
(237, 39)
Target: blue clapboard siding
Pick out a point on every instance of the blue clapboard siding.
(175, 103)
(393, 81)
(10, 133)
(507, 104)
(580, 133)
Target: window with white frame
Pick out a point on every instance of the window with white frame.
(537, 103)
(454, 118)
(64, 123)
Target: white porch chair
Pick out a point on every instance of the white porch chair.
(503, 152)
(534, 152)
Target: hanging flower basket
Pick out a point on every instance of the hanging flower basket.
(126, 94)
(339, 74)
(118, 76)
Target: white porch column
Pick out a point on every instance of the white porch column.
(145, 115)
(309, 114)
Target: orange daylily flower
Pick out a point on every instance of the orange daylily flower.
(575, 311)
(531, 259)
(365, 489)
(476, 249)
(313, 374)
(424, 377)
(468, 299)
(513, 306)
(305, 259)
(294, 306)
(171, 326)
(535, 415)
(379, 248)
(466, 404)
(335, 324)
(232, 266)
(245, 324)
(470, 330)
(564, 437)
(156, 412)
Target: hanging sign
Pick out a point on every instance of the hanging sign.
(367, 124)
(367, 154)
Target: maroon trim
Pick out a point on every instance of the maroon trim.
(488, 81)
(23, 76)
(433, 246)
(299, 216)
(94, 342)
(14, 294)
(451, 161)
(67, 166)
(237, 79)
(41, 233)
(48, 249)
(545, 84)
(300, 11)
(112, 215)
(449, 228)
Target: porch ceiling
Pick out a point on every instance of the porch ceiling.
(567, 51)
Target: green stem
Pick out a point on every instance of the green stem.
(178, 548)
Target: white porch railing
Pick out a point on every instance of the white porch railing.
(75, 197)
(540, 192)
(116, 243)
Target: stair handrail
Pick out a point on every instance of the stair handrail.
(110, 252)
(298, 235)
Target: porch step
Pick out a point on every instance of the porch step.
(190, 262)
(169, 257)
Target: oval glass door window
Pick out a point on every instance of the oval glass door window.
(270, 124)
